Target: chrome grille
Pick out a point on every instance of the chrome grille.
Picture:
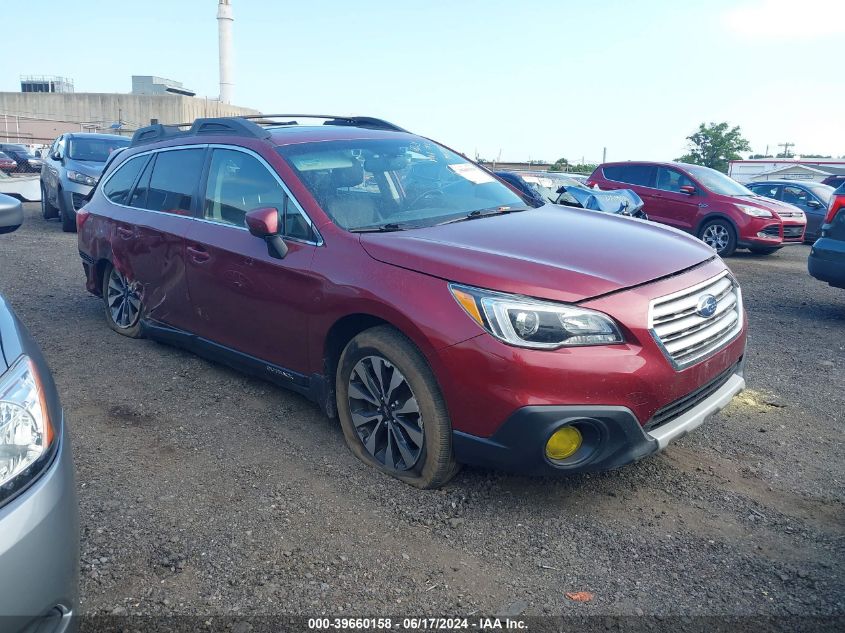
(685, 335)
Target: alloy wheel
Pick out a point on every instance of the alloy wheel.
(124, 303)
(716, 237)
(385, 413)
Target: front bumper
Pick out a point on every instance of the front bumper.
(612, 435)
(74, 194)
(39, 551)
(827, 261)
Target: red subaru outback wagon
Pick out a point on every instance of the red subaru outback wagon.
(414, 295)
(705, 202)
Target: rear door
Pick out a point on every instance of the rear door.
(148, 242)
(669, 205)
(243, 299)
(809, 203)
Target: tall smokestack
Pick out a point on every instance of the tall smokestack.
(224, 32)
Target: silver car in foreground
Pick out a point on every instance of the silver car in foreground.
(39, 532)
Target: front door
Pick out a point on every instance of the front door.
(243, 298)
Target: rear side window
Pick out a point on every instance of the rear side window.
(172, 182)
(642, 175)
(120, 183)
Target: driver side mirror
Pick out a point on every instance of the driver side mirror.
(814, 204)
(264, 223)
(56, 156)
(688, 190)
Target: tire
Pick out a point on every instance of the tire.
(423, 429)
(48, 211)
(117, 291)
(68, 216)
(719, 235)
(762, 250)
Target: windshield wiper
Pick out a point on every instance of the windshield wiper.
(484, 213)
(384, 228)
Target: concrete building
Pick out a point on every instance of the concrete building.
(149, 85)
(44, 83)
(810, 169)
(38, 117)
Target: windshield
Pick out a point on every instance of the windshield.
(547, 184)
(406, 182)
(823, 192)
(717, 182)
(94, 149)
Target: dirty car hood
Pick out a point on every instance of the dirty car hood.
(562, 254)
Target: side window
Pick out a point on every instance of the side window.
(770, 191)
(642, 175)
(173, 180)
(795, 195)
(120, 182)
(139, 194)
(672, 180)
(239, 183)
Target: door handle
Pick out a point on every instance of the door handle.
(199, 254)
(125, 233)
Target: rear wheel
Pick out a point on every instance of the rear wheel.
(122, 303)
(762, 250)
(68, 216)
(391, 410)
(48, 211)
(720, 236)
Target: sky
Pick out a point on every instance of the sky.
(507, 79)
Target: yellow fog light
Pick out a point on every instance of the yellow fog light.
(563, 443)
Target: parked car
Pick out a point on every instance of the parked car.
(71, 169)
(39, 534)
(827, 257)
(407, 290)
(724, 214)
(7, 164)
(834, 181)
(544, 187)
(812, 198)
(26, 160)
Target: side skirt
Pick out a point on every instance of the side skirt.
(311, 387)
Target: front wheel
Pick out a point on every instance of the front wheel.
(720, 236)
(122, 304)
(391, 410)
(48, 211)
(68, 216)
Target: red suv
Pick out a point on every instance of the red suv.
(411, 293)
(721, 212)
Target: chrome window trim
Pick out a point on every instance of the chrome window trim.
(204, 146)
(740, 323)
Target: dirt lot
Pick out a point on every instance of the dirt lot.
(206, 492)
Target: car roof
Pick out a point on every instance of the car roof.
(297, 134)
(785, 182)
(109, 137)
(655, 163)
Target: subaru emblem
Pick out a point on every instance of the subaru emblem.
(706, 306)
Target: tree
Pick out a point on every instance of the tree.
(753, 156)
(715, 145)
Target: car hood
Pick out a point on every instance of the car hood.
(557, 253)
(770, 204)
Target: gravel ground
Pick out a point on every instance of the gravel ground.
(206, 492)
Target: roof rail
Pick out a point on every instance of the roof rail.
(207, 126)
(246, 126)
(330, 119)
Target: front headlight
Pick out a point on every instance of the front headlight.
(528, 322)
(26, 434)
(82, 179)
(757, 212)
